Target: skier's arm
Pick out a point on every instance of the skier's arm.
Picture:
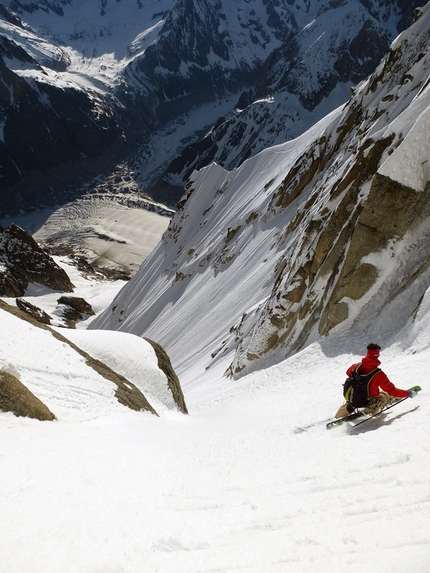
(389, 387)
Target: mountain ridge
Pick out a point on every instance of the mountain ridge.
(123, 74)
(308, 239)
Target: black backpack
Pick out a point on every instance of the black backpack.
(356, 387)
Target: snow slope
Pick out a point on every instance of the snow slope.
(246, 259)
(241, 484)
(236, 486)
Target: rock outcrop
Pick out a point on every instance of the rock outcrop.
(127, 393)
(75, 308)
(17, 398)
(34, 311)
(165, 365)
(23, 261)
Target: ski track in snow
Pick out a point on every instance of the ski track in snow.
(235, 487)
(230, 488)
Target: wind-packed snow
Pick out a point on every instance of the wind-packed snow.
(235, 486)
(409, 164)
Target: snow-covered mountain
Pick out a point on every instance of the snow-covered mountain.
(83, 82)
(333, 46)
(92, 91)
(326, 235)
(324, 239)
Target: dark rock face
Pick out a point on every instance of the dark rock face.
(75, 307)
(34, 311)
(17, 398)
(47, 131)
(173, 381)
(46, 5)
(22, 262)
(9, 285)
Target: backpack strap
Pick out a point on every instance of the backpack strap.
(370, 375)
(373, 373)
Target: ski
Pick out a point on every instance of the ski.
(301, 429)
(360, 413)
(393, 402)
(339, 421)
(333, 423)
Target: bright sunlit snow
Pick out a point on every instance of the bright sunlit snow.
(235, 486)
(250, 481)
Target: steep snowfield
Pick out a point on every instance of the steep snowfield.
(209, 288)
(235, 486)
(248, 482)
(212, 295)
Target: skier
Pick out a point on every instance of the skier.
(377, 399)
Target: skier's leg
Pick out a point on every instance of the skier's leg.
(375, 405)
(345, 410)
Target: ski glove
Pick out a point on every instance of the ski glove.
(412, 393)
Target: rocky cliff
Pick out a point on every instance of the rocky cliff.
(23, 261)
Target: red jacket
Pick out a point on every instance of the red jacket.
(380, 380)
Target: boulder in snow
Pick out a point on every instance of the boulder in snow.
(16, 398)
